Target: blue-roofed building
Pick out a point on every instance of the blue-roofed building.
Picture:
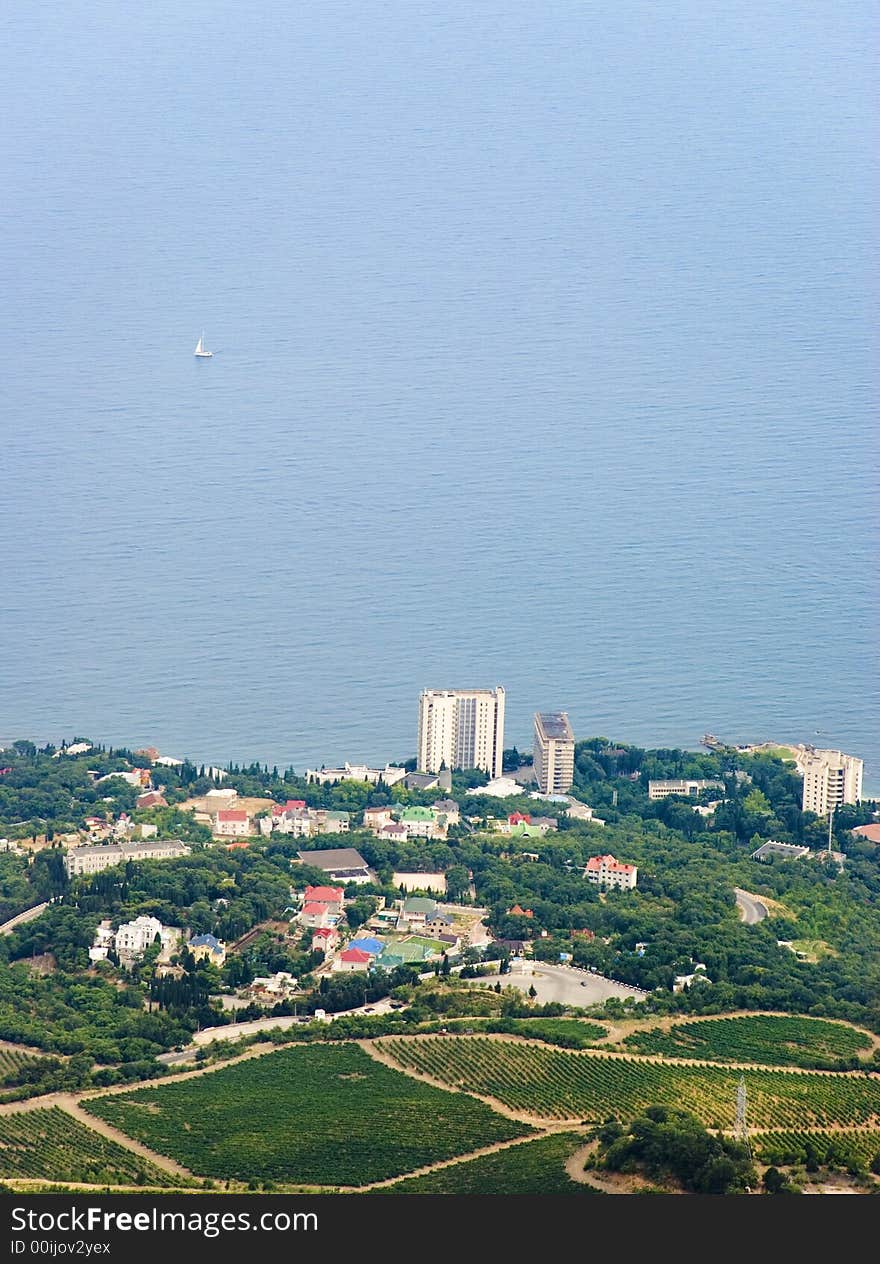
(202, 946)
(368, 944)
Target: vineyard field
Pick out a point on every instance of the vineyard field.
(13, 1062)
(771, 1039)
(534, 1167)
(837, 1149)
(305, 1115)
(47, 1144)
(556, 1084)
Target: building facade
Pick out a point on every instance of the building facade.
(605, 871)
(93, 859)
(830, 779)
(461, 728)
(553, 754)
(683, 786)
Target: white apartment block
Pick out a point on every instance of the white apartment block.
(461, 728)
(830, 779)
(686, 786)
(93, 859)
(553, 752)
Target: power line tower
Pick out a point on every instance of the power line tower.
(741, 1131)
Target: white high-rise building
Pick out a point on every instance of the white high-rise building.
(461, 728)
(830, 779)
(553, 752)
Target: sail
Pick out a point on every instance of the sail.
(199, 348)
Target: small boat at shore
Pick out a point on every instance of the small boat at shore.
(200, 350)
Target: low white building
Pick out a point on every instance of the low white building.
(682, 785)
(699, 975)
(499, 788)
(102, 942)
(389, 775)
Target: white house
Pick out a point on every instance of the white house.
(132, 939)
(605, 871)
(232, 823)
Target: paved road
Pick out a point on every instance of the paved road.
(27, 916)
(752, 910)
(567, 985)
(233, 1031)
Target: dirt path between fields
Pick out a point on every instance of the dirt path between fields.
(619, 1054)
(372, 1047)
(70, 1105)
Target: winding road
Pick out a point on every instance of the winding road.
(752, 910)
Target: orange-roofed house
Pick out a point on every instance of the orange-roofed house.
(605, 871)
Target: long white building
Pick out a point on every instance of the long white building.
(461, 728)
(830, 779)
(553, 754)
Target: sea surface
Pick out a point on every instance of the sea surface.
(545, 355)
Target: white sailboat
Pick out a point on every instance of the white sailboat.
(200, 348)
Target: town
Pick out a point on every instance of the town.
(205, 908)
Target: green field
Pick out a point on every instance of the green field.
(534, 1167)
(771, 1039)
(834, 1149)
(305, 1115)
(50, 1145)
(556, 1084)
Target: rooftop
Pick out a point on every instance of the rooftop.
(554, 724)
(331, 859)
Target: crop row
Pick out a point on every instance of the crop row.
(837, 1149)
(532, 1167)
(309, 1115)
(552, 1083)
(776, 1040)
(48, 1144)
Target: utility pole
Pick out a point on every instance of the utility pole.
(830, 824)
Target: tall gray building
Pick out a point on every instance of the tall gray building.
(553, 752)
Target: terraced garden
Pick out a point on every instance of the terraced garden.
(838, 1149)
(555, 1084)
(47, 1144)
(534, 1167)
(305, 1115)
(771, 1039)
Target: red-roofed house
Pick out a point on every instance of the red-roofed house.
(516, 911)
(232, 823)
(605, 871)
(237, 846)
(152, 799)
(352, 959)
(315, 914)
(325, 939)
(870, 832)
(517, 818)
(331, 896)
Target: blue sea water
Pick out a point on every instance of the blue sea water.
(545, 355)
